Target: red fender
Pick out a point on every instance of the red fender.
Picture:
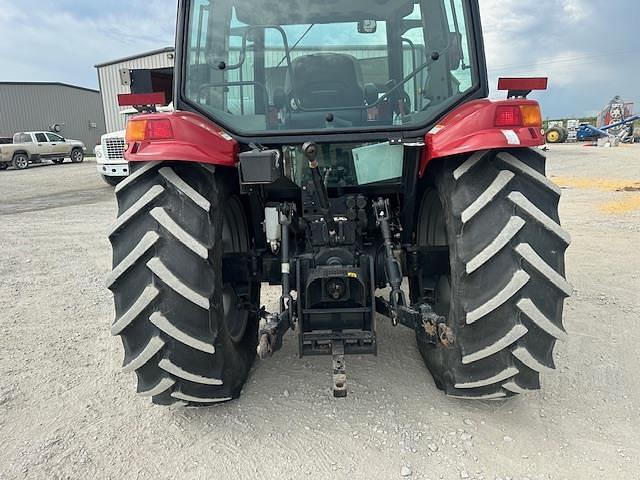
(193, 139)
(471, 127)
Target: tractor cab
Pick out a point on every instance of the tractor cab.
(263, 69)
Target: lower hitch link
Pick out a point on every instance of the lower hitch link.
(430, 327)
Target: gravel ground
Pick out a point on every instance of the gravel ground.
(66, 411)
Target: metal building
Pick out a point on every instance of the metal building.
(28, 106)
(114, 77)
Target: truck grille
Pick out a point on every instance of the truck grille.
(115, 148)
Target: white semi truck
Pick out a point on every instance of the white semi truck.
(110, 158)
(110, 153)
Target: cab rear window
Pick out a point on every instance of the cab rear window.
(256, 66)
(22, 138)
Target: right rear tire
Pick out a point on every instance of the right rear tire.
(503, 286)
(183, 329)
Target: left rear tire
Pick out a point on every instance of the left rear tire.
(184, 330)
(20, 161)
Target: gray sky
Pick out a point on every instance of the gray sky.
(590, 52)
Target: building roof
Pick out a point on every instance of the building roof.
(135, 57)
(59, 84)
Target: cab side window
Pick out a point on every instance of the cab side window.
(41, 138)
(53, 138)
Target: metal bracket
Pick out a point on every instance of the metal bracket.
(270, 333)
(339, 369)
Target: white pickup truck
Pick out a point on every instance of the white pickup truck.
(34, 147)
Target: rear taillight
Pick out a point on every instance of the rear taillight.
(146, 130)
(508, 116)
(158, 130)
(518, 116)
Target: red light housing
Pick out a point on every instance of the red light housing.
(508, 116)
(158, 129)
(139, 99)
(536, 83)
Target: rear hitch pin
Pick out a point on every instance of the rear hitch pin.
(339, 369)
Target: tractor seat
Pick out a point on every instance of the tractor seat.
(326, 81)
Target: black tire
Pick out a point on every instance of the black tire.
(20, 161)
(77, 155)
(504, 292)
(113, 181)
(565, 134)
(181, 328)
(555, 135)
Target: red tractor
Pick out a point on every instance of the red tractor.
(336, 149)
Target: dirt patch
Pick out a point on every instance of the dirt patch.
(56, 200)
(619, 206)
(604, 184)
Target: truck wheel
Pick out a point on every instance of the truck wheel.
(182, 324)
(20, 161)
(503, 293)
(113, 181)
(555, 135)
(77, 156)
